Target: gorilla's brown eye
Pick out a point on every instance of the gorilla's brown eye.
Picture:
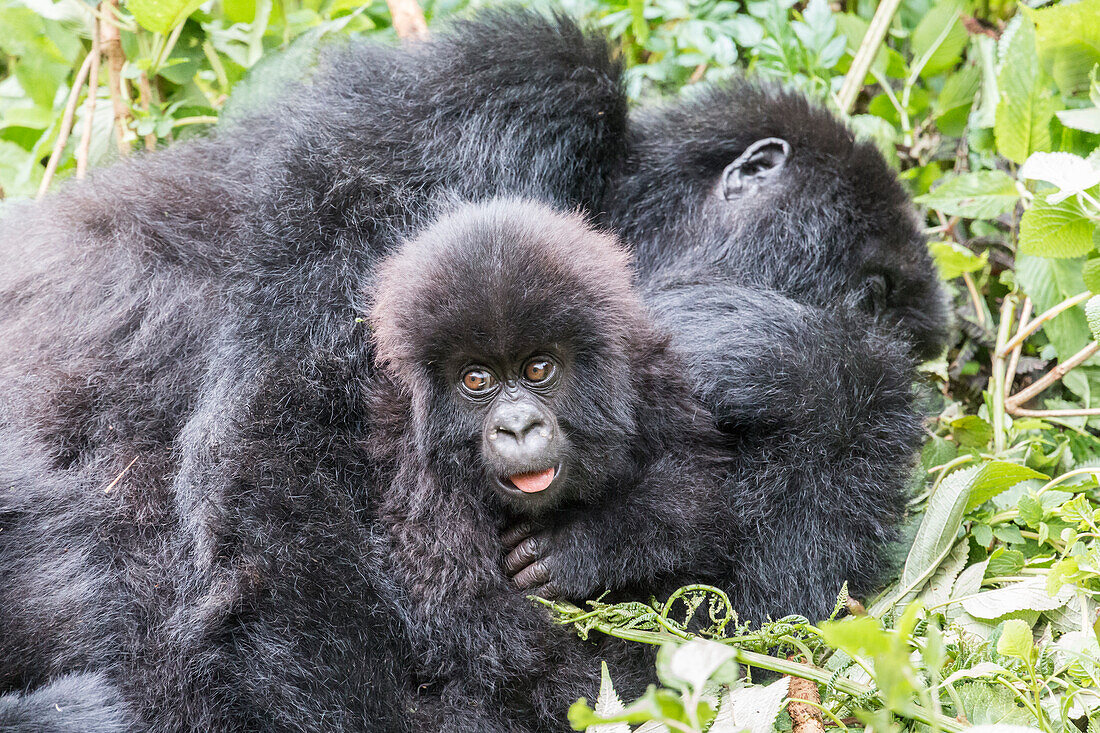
(477, 381)
(538, 370)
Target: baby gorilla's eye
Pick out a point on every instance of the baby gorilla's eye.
(477, 381)
(538, 370)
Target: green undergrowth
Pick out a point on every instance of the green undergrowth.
(990, 112)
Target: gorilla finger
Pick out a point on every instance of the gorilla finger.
(532, 576)
(517, 533)
(549, 591)
(525, 553)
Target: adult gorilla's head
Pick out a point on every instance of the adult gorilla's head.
(515, 331)
(762, 183)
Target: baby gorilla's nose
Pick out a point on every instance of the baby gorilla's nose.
(519, 431)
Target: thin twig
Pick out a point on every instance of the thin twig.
(111, 41)
(408, 20)
(1055, 374)
(998, 397)
(865, 54)
(1042, 318)
(66, 125)
(1082, 412)
(89, 111)
(975, 298)
(1014, 361)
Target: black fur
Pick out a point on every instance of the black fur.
(76, 703)
(186, 476)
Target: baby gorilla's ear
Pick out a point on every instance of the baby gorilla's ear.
(760, 162)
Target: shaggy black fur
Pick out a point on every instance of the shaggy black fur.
(185, 497)
(494, 284)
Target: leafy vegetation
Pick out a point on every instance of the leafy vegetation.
(991, 112)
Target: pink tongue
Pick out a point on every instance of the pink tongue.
(530, 483)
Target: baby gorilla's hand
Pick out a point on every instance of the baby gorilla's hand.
(528, 561)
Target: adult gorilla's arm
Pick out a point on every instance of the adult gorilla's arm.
(817, 408)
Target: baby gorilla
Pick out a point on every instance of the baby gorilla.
(530, 384)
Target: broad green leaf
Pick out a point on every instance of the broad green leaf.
(971, 431)
(939, 39)
(1026, 107)
(1056, 230)
(1028, 595)
(952, 260)
(1081, 119)
(1004, 562)
(996, 477)
(952, 106)
(858, 635)
(1068, 39)
(1092, 314)
(936, 534)
(1015, 640)
(161, 16)
(979, 195)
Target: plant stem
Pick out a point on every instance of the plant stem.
(865, 54)
(997, 378)
(1042, 318)
(1054, 375)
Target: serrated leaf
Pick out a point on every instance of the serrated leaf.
(161, 16)
(979, 195)
(972, 431)
(1027, 595)
(996, 477)
(1055, 230)
(753, 708)
(1026, 107)
(952, 260)
(1049, 282)
(1068, 42)
(939, 586)
(608, 705)
(1070, 173)
(952, 106)
(1090, 273)
(1015, 640)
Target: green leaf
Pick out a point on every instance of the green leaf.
(1068, 41)
(996, 477)
(1092, 314)
(1015, 640)
(971, 431)
(692, 665)
(1026, 107)
(952, 106)
(939, 39)
(1027, 595)
(952, 260)
(1004, 562)
(1056, 230)
(858, 635)
(161, 16)
(979, 195)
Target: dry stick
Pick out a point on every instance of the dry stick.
(89, 112)
(145, 93)
(1051, 377)
(975, 298)
(1082, 412)
(111, 41)
(865, 55)
(66, 125)
(1010, 375)
(1040, 320)
(805, 718)
(408, 20)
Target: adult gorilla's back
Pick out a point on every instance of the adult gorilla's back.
(181, 486)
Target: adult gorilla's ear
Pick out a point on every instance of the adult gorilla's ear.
(753, 168)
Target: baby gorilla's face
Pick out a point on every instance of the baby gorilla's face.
(522, 442)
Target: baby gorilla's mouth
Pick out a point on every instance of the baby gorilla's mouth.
(533, 482)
